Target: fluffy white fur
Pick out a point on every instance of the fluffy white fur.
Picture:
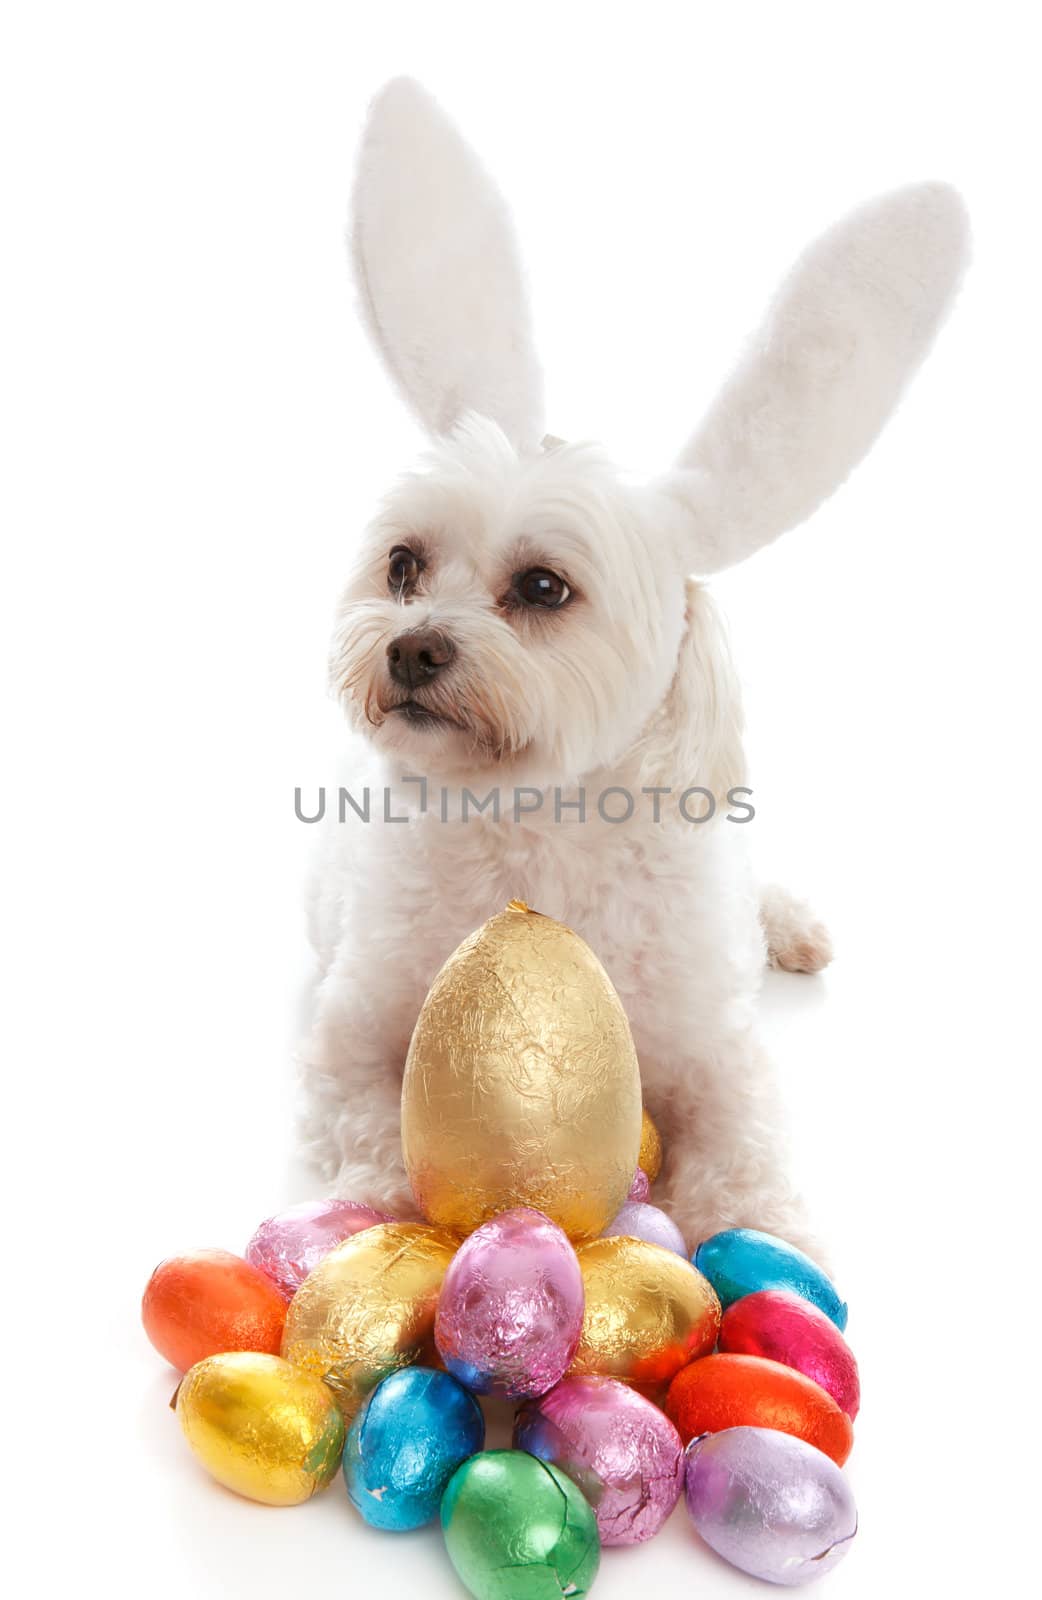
(430, 229)
(629, 685)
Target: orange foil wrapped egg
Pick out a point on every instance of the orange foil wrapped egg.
(648, 1313)
(208, 1302)
(736, 1391)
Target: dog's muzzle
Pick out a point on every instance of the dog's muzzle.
(416, 657)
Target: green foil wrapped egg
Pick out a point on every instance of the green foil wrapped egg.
(517, 1528)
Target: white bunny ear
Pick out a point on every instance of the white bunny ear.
(438, 271)
(851, 323)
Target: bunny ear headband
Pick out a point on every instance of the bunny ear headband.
(442, 293)
(439, 272)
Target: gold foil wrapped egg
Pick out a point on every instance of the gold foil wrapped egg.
(648, 1313)
(650, 1158)
(521, 1084)
(368, 1308)
(261, 1427)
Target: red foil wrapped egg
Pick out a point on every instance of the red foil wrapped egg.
(785, 1327)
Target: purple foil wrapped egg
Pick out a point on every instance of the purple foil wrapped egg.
(640, 1188)
(511, 1307)
(288, 1246)
(622, 1451)
(769, 1503)
(639, 1221)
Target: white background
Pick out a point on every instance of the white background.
(194, 429)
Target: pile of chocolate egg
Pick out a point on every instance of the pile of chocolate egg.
(345, 1340)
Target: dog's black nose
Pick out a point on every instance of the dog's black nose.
(414, 658)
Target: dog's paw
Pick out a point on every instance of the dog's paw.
(796, 940)
(811, 951)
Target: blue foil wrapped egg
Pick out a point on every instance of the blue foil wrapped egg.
(406, 1442)
(741, 1261)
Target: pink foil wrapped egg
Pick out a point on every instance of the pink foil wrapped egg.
(511, 1307)
(786, 1328)
(620, 1449)
(640, 1188)
(288, 1246)
(639, 1221)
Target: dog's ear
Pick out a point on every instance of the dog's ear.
(438, 272)
(851, 323)
(695, 736)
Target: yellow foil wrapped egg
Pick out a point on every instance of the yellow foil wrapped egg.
(650, 1158)
(648, 1313)
(260, 1426)
(521, 1084)
(368, 1308)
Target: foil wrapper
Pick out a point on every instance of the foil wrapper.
(649, 1158)
(741, 1261)
(521, 1084)
(648, 1313)
(511, 1307)
(783, 1327)
(209, 1301)
(617, 1446)
(730, 1391)
(411, 1434)
(368, 1308)
(769, 1504)
(288, 1246)
(641, 1221)
(640, 1188)
(519, 1529)
(261, 1427)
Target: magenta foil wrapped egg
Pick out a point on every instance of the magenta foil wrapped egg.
(640, 1188)
(511, 1306)
(639, 1221)
(784, 1327)
(769, 1503)
(622, 1451)
(291, 1244)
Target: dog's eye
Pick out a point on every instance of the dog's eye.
(403, 570)
(538, 587)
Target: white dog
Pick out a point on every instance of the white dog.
(520, 623)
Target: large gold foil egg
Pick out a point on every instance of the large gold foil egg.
(521, 1084)
(368, 1308)
(261, 1427)
(648, 1313)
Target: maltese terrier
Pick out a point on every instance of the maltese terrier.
(547, 706)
